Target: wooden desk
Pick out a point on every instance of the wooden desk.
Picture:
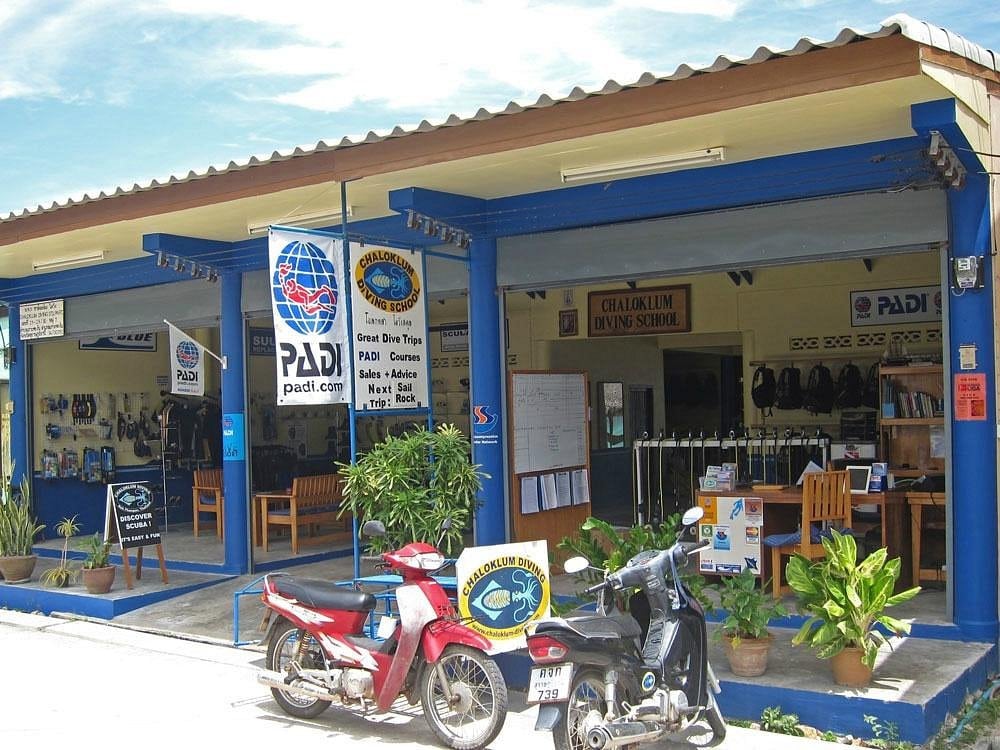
(917, 501)
(262, 502)
(781, 515)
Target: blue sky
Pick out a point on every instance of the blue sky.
(100, 93)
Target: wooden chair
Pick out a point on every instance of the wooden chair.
(826, 502)
(207, 497)
(313, 500)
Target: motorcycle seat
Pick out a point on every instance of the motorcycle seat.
(593, 626)
(323, 594)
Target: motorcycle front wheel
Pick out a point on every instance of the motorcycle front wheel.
(586, 701)
(474, 713)
(287, 644)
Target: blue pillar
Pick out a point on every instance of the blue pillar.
(19, 397)
(234, 464)
(486, 373)
(974, 458)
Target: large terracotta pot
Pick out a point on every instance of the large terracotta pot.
(849, 670)
(749, 657)
(99, 580)
(18, 569)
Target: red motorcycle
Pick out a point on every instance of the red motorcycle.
(317, 653)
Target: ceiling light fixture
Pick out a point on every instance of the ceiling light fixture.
(649, 165)
(325, 218)
(68, 261)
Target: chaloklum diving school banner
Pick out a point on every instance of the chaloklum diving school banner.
(310, 318)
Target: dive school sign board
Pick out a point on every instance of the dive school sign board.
(130, 520)
(632, 312)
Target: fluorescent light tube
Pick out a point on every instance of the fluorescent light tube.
(648, 165)
(68, 261)
(300, 220)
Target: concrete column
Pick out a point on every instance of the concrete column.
(974, 443)
(19, 448)
(486, 348)
(234, 464)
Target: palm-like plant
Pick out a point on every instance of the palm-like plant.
(62, 574)
(846, 599)
(18, 526)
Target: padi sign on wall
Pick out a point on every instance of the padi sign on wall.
(390, 329)
(915, 304)
(310, 318)
(502, 588)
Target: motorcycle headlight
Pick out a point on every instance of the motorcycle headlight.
(429, 560)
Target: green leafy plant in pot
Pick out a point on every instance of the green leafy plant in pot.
(846, 600)
(18, 530)
(413, 482)
(98, 572)
(62, 574)
(743, 632)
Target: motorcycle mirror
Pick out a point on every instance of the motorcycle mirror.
(373, 528)
(446, 524)
(692, 515)
(576, 564)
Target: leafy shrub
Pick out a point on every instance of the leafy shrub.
(748, 608)
(774, 720)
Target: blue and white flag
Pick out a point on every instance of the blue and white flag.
(187, 364)
(310, 318)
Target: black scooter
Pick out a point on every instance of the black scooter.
(605, 681)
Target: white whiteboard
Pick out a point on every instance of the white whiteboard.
(550, 421)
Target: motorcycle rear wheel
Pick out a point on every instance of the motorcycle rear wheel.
(478, 709)
(586, 697)
(280, 652)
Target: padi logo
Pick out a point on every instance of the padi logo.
(187, 355)
(483, 421)
(648, 682)
(503, 594)
(387, 281)
(304, 286)
(863, 304)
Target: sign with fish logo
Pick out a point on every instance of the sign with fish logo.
(389, 318)
(502, 588)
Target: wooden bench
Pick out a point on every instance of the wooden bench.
(206, 493)
(312, 501)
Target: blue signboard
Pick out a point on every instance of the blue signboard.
(233, 437)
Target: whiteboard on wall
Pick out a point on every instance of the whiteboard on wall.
(549, 420)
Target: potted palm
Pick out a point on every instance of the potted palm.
(744, 634)
(98, 572)
(411, 484)
(18, 529)
(62, 574)
(846, 601)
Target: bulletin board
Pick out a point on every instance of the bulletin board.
(734, 525)
(549, 429)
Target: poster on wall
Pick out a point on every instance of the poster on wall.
(390, 329)
(187, 364)
(501, 588)
(734, 526)
(310, 318)
(877, 307)
(42, 320)
(970, 397)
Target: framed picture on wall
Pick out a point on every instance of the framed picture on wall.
(568, 322)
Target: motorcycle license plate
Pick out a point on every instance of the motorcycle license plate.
(550, 684)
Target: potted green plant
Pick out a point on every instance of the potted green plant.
(411, 483)
(743, 632)
(98, 572)
(62, 574)
(18, 529)
(846, 600)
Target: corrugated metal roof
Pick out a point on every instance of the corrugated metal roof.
(919, 31)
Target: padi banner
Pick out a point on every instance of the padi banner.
(876, 307)
(310, 318)
(187, 364)
(502, 588)
(390, 329)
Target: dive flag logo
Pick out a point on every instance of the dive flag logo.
(483, 421)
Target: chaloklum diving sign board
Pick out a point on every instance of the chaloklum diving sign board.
(631, 312)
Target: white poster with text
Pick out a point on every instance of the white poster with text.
(310, 318)
(390, 329)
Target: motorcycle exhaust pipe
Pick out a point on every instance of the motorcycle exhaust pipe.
(619, 734)
(300, 688)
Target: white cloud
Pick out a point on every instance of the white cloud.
(722, 9)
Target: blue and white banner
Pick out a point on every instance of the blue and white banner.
(187, 364)
(310, 318)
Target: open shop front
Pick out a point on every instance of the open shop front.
(721, 387)
(102, 413)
